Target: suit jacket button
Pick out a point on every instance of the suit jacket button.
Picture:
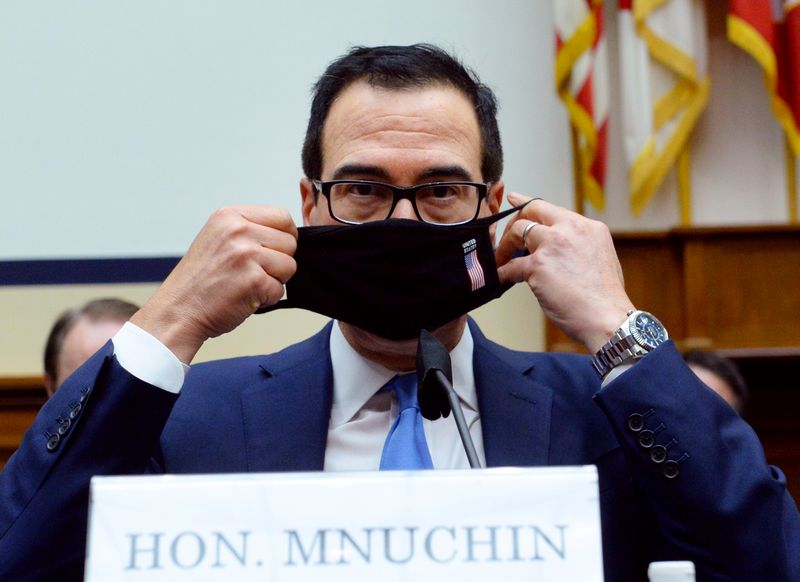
(75, 411)
(63, 426)
(52, 442)
(646, 439)
(670, 469)
(636, 420)
(659, 454)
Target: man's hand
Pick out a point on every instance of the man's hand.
(572, 269)
(238, 262)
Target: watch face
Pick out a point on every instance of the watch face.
(648, 331)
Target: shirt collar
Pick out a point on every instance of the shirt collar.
(356, 379)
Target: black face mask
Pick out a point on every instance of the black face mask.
(394, 277)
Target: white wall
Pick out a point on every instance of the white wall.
(125, 124)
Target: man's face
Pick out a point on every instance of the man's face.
(403, 137)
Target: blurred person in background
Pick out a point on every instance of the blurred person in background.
(78, 333)
(721, 375)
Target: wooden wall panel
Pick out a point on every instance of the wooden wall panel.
(735, 290)
(714, 288)
(20, 401)
(749, 288)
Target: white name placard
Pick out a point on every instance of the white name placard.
(492, 524)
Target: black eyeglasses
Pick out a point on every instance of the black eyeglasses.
(443, 203)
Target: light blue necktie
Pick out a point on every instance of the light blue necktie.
(405, 446)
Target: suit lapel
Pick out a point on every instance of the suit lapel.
(515, 409)
(286, 415)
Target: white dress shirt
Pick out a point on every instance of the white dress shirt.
(360, 417)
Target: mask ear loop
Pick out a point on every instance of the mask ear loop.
(524, 204)
(503, 213)
(509, 211)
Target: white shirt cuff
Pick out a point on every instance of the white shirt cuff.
(615, 373)
(148, 359)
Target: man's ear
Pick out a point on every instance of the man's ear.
(309, 199)
(494, 199)
(49, 385)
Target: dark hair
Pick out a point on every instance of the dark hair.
(96, 310)
(725, 369)
(403, 67)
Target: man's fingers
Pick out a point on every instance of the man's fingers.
(539, 210)
(269, 292)
(269, 216)
(527, 232)
(520, 235)
(535, 211)
(277, 218)
(278, 240)
(277, 264)
(515, 271)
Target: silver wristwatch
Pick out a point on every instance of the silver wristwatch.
(639, 334)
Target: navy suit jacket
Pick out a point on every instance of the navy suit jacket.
(724, 508)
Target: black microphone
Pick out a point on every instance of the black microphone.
(435, 390)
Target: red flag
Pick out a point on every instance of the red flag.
(769, 30)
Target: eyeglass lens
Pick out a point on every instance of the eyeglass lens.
(437, 204)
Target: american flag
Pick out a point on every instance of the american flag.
(474, 270)
(769, 30)
(582, 79)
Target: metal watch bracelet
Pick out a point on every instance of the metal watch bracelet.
(621, 349)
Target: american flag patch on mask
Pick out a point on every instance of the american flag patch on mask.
(474, 269)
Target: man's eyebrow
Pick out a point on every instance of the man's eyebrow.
(445, 172)
(437, 173)
(350, 170)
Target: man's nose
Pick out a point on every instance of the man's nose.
(404, 209)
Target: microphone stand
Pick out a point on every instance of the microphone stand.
(436, 394)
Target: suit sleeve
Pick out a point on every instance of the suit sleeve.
(101, 421)
(704, 474)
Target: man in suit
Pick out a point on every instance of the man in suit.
(681, 475)
(78, 333)
(721, 375)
